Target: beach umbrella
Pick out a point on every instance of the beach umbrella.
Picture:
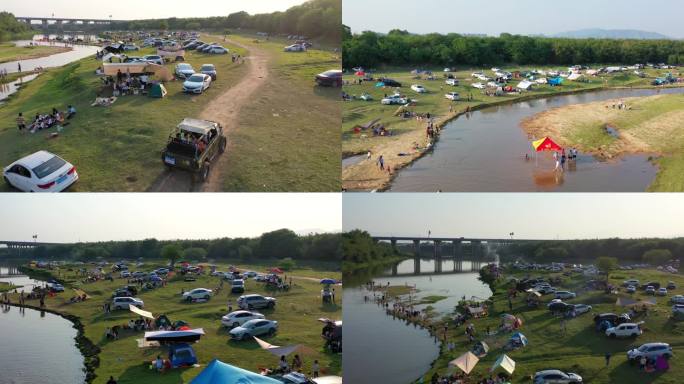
(360, 73)
(466, 362)
(504, 362)
(545, 144)
(328, 281)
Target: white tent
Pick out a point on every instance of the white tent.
(466, 362)
(575, 76)
(110, 55)
(504, 362)
(525, 85)
(276, 350)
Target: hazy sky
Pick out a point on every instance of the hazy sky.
(95, 216)
(528, 215)
(518, 17)
(136, 9)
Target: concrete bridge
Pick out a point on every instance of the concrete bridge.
(46, 21)
(23, 244)
(460, 246)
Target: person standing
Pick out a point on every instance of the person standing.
(19, 67)
(21, 122)
(315, 368)
(607, 358)
(381, 162)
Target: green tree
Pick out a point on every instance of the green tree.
(657, 256)
(606, 264)
(171, 252)
(163, 25)
(194, 253)
(279, 244)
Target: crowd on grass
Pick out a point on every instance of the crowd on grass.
(44, 121)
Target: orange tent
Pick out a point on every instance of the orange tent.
(545, 144)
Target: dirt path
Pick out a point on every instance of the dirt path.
(224, 109)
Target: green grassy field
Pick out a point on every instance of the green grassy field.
(288, 140)
(11, 52)
(580, 349)
(650, 125)
(297, 312)
(114, 148)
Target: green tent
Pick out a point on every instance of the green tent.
(158, 90)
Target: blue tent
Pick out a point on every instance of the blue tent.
(182, 355)
(379, 84)
(218, 372)
(518, 335)
(555, 81)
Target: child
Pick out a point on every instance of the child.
(315, 368)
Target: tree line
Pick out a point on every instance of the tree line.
(358, 247)
(279, 244)
(313, 19)
(400, 48)
(11, 29)
(652, 251)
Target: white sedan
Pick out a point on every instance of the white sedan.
(237, 318)
(418, 88)
(582, 308)
(479, 86)
(40, 172)
(452, 82)
(453, 96)
(197, 83)
(394, 99)
(197, 293)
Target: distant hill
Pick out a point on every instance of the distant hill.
(597, 33)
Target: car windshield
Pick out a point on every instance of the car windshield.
(207, 68)
(196, 79)
(643, 348)
(48, 167)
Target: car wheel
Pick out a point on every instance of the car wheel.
(271, 331)
(204, 172)
(235, 325)
(188, 299)
(206, 297)
(612, 336)
(8, 182)
(270, 305)
(222, 145)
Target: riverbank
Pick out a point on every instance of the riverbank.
(297, 312)
(348, 268)
(579, 348)
(649, 125)
(408, 141)
(12, 52)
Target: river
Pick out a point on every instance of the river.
(380, 349)
(485, 152)
(37, 347)
(57, 60)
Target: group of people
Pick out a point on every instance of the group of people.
(563, 157)
(462, 378)
(46, 120)
(78, 298)
(126, 84)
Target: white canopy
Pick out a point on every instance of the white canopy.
(504, 362)
(525, 84)
(196, 125)
(276, 350)
(140, 312)
(466, 362)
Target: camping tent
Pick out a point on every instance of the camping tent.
(466, 362)
(555, 81)
(218, 372)
(140, 312)
(162, 320)
(158, 90)
(521, 337)
(276, 350)
(525, 85)
(545, 144)
(480, 349)
(182, 355)
(504, 362)
(575, 76)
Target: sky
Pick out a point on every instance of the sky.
(136, 9)
(527, 17)
(89, 217)
(527, 215)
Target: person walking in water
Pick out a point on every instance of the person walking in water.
(19, 67)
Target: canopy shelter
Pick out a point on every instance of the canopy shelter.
(360, 73)
(140, 312)
(188, 336)
(218, 372)
(545, 144)
(504, 362)
(466, 362)
(519, 336)
(276, 270)
(137, 68)
(276, 350)
(525, 85)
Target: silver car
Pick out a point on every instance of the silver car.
(555, 376)
(197, 83)
(255, 327)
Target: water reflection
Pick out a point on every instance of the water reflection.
(486, 151)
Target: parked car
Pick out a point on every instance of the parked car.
(209, 69)
(124, 274)
(650, 290)
(218, 50)
(554, 376)
(671, 285)
(624, 330)
(184, 70)
(677, 299)
(662, 292)
(134, 59)
(331, 78)
(479, 86)
(390, 82)
(237, 318)
(131, 47)
(249, 274)
(255, 327)
(197, 83)
(126, 302)
(453, 96)
(238, 286)
(678, 309)
(56, 287)
(418, 88)
(452, 82)
(394, 99)
(650, 350)
(653, 284)
(295, 48)
(582, 308)
(197, 293)
(154, 59)
(565, 295)
(629, 282)
(255, 301)
(40, 172)
(631, 289)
